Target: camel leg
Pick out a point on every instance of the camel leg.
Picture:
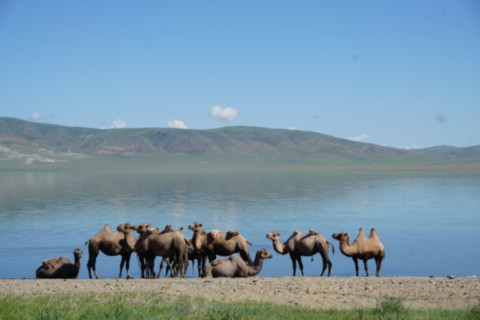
(378, 261)
(355, 261)
(365, 264)
(325, 261)
(91, 265)
(300, 264)
(122, 263)
(151, 267)
(294, 264)
(127, 265)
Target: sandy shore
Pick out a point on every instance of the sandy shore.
(336, 292)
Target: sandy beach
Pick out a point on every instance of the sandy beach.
(316, 292)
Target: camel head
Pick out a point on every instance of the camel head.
(342, 236)
(264, 254)
(273, 236)
(142, 228)
(78, 253)
(125, 228)
(195, 227)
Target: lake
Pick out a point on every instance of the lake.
(428, 222)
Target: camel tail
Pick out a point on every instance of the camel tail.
(333, 247)
(249, 243)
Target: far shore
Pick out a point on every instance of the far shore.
(315, 292)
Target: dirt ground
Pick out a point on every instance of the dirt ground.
(316, 292)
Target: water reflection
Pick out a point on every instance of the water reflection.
(51, 214)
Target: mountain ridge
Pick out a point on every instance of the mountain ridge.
(41, 142)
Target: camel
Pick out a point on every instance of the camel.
(362, 248)
(299, 245)
(214, 242)
(112, 244)
(235, 267)
(168, 244)
(60, 268)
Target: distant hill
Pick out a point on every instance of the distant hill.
(32, 142)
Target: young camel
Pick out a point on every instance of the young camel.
(235, 267)
(214, 242)
(111, 244)
(362, 248)
(299, 245)
(60, 268)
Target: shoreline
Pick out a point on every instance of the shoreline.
(313, 292)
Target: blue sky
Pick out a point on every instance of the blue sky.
(396, 73)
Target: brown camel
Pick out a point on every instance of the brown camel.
(362, 248)
(235, 267)
(60, 268)
(299, 245)
(214, 242)
(168, 244)
(111, 244)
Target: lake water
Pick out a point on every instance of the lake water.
(429, 223)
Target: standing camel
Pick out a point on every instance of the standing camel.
(111, 244)
(299, 245)
(234, 266)
(214, 242)
(168, 245)
(60, 268)
(362, 248)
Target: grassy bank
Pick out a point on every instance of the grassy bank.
(150, 306)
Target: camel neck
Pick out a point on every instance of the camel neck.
(256, 267)
(128, 244)
(347, 249)
(77, 266)
(278, 246)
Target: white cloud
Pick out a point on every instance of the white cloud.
(36, 116)
(224, 113)
(359, 138)
(292, 128)
(118, 124)
(177, 124)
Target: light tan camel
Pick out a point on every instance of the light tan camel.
(214, 242)
(168, 244)
(111, 244)
(299, 245)
(362, 248)
(60, 268)
(235, 267)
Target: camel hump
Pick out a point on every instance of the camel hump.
(313, 233)
(231, 233)
(373, 233)
(360, 233)
(212, 235)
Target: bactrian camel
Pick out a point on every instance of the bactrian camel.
(299, 245)
(60, 268)
(234, 266)
(168, 244)
(362, 248)
(111, 244)
(214, 242)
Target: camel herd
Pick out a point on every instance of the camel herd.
(176, 250)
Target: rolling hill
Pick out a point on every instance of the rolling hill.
(29, 143)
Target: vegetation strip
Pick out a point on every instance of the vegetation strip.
(138, 305)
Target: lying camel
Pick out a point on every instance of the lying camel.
(112, 244)
(169, 244)
(235, 267)
(362, 248)
(214, 242)
(60, 268)
(299, 245)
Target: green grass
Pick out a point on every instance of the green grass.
(150, 305)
